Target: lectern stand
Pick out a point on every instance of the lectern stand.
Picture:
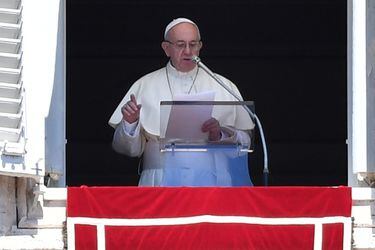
(190, 159)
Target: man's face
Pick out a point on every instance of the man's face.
(183, 42)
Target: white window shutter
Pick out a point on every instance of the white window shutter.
(32, 89)
(12, 94)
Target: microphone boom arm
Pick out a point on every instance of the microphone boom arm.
(198, 61)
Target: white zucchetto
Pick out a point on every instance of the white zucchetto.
(175, 22)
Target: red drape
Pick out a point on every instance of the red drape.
(264, 202)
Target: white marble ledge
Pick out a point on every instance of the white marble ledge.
(43, 239)
(363, 193)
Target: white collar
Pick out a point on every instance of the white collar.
(183, 75)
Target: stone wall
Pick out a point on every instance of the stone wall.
(8, 209)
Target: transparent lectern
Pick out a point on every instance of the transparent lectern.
(190, 159)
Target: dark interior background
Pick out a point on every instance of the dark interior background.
(288, 56)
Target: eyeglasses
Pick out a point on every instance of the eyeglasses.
(180, 45)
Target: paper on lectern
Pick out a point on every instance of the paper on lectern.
(185, 121)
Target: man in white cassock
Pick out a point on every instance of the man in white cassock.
(137, 119)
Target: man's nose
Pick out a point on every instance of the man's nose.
(187, 49)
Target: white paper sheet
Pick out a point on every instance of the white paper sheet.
(185, 121)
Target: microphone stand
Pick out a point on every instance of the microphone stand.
(198, 61)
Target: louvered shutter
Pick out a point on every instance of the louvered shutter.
(12, 122)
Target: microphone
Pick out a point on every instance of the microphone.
(253, 116)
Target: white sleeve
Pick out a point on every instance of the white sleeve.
(130, 127)
(233, 135)
(128, 140)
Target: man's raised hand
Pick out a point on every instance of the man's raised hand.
(131, 110)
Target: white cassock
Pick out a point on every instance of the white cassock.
(185, 168)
